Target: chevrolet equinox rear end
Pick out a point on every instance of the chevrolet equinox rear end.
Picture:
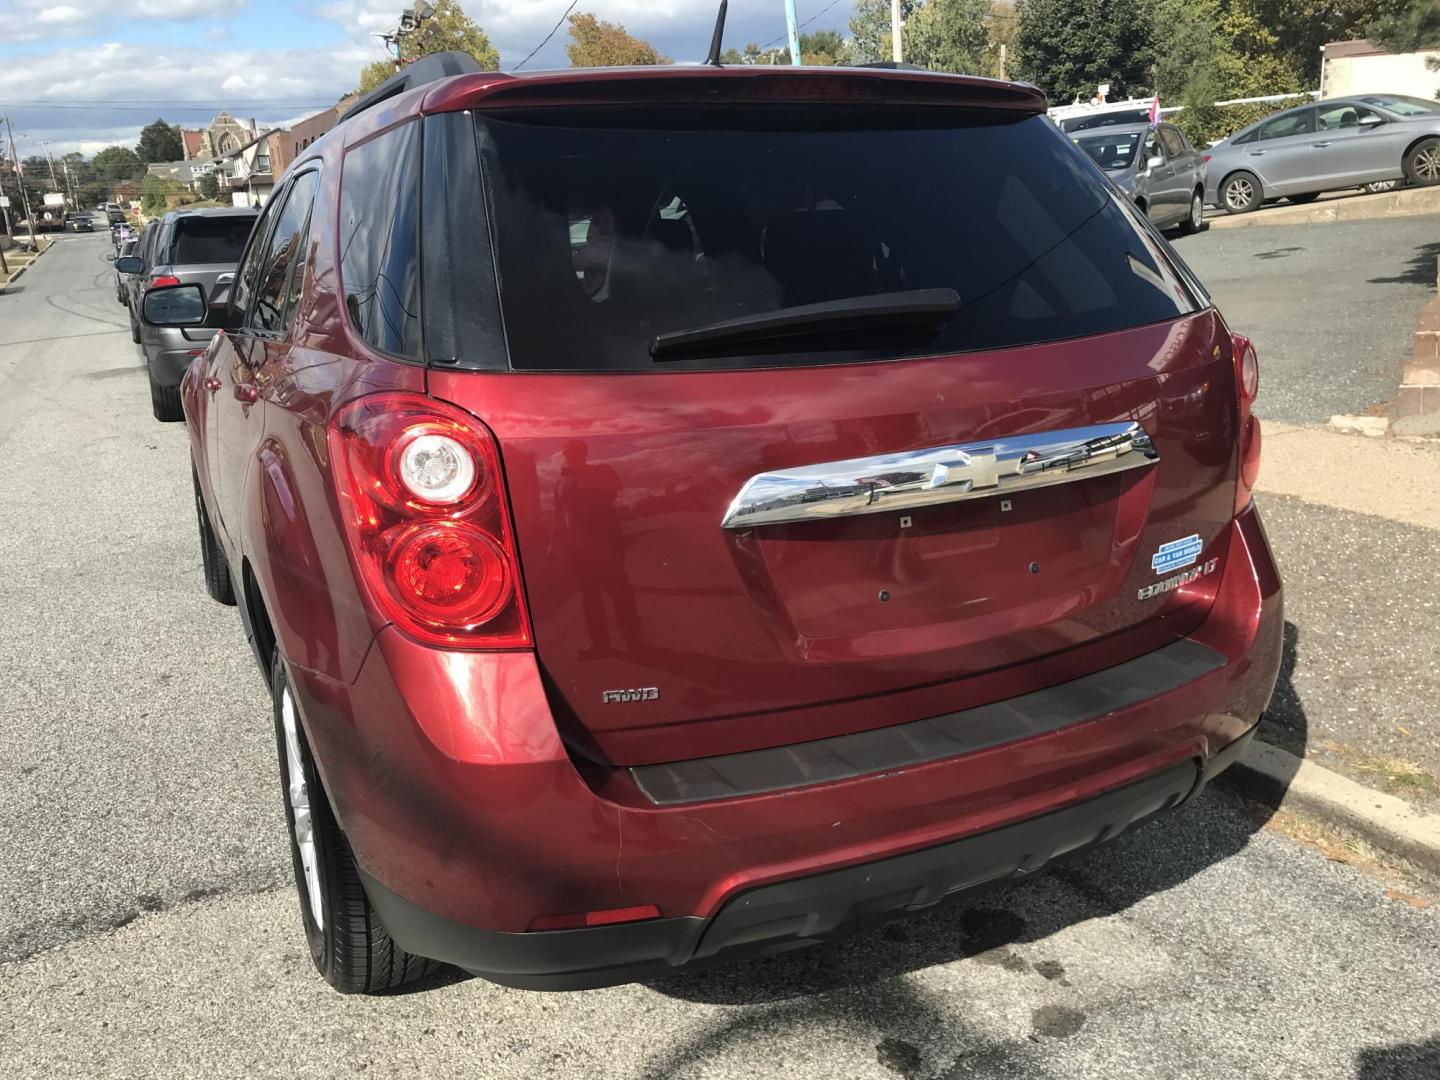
(687, 513)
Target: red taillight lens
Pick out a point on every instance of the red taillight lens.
(420, 491)
(1204, 157)
(608, 917)
(1247, 387)
(164, 281)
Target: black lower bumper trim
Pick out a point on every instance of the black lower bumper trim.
(787, 914)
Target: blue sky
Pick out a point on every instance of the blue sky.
(83, 74)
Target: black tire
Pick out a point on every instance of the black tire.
(1301, 200)
(134, 325)
(1240, 193)
(1195, 218)
(349, 944)
(165, 402)
(212, 556)
(1422, 163)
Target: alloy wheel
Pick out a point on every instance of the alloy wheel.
(298, 792)
(1197, 211)
(1239, 193)
(1427, 164)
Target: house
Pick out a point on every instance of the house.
(187, 173)
(312, 127)
(250, 171)
(1359, 67)
(224, 135)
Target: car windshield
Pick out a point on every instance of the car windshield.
(200, 240)
(614, 229)
(1400, 103)
(1111, 151)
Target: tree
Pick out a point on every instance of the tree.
(596, 43)
(949, 35)
(1406, 26)
(869, 41)
(155, 193)
(449, 29)
(159, 141)
(823, 48)
(1068, 47)
(118, 163)
(209, 185)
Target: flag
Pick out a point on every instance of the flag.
(1155, 110)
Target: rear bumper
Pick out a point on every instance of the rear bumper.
(469, 819)
(168, 351)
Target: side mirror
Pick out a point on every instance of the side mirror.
(111, 257)
(1370, 120)
(179, 305)
(130, 264)
(1154, 162)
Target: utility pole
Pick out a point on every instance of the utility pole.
(895, 50)
(1002, 59)
(792, 31)
(20, 182)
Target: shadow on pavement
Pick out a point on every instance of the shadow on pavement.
(1419, 268)
(1402, 1061)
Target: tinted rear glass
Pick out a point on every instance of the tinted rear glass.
(200, 240)
(609, 235)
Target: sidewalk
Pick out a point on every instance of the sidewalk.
(1355, 525)
(20, 261)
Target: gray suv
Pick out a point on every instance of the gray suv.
(186, 247)
(1156, 166)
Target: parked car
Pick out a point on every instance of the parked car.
(115, 215)
(122, 295)
(1105, 116)
(134, 270)
(766, 565)
(1334, 144)
(80, 222)
(1156, 167)
(199, 247)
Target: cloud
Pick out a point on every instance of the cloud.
(35, 20)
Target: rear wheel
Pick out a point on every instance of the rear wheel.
(1240, 193)
(349, 944)
(165, 402)
(1422, 163)
(212, 557)
(1301, 200)
(1195, 220)
(134, 325)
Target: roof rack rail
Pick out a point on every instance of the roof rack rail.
(893, 65)
(426, 69)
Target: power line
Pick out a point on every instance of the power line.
(802, 26)
(548, 36)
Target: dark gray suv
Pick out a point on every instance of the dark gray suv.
(186, 247)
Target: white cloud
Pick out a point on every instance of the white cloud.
(35, 20)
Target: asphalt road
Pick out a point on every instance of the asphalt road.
(147, 927)
(1331, 308)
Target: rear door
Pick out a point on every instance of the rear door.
(668, 624)
(1283, 154)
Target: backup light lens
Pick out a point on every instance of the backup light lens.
(436, 468)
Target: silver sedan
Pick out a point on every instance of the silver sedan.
(1330, 145)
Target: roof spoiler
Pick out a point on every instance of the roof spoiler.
(426, 69)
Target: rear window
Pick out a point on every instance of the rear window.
(610, 231)
(1111, 151)
(200, 240)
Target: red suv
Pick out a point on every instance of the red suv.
(689, 512)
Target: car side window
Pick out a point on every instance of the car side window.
(247, 275)
(1174, 145)
(284, 254)
(1151, 147)
(1296, 123)
(1345, 115)
(379, 240)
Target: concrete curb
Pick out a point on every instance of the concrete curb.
(18, 273)
(1407, 202)
(1389, 824)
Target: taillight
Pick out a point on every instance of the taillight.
(164, 281)
(1204, 157)
(1247, 387)
(423, 502)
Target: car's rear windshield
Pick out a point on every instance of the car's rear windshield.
(1111, 151)
(611, 230)
(201, 240)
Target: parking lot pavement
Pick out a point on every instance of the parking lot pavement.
(1331, 307)
(147, 927)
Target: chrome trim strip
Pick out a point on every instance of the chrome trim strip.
(941, 474)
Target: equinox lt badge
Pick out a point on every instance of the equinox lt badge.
(643, 693)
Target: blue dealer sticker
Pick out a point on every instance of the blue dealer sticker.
(1176, 554)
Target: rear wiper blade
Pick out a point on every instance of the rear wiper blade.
(915, 307)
